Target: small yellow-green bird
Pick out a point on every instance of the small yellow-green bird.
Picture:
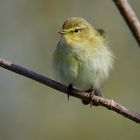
(82, 57)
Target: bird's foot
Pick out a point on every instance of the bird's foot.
(70, 87)
(92, 92)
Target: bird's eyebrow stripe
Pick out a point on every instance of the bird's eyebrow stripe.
(72, 29)
(82, 27)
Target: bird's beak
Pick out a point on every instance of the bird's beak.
(62, 32)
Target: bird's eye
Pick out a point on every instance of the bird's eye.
(76, 30)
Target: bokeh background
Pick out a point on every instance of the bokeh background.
(31, 111)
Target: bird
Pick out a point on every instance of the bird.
(82, 58)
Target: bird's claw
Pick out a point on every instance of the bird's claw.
(70, 87)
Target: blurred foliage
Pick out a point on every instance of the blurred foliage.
(31, 111)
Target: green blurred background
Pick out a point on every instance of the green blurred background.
(31, 111)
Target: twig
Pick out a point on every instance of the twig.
(130, 17)
(110, 104)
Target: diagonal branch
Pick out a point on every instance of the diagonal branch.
(130, 18)
(110, 104)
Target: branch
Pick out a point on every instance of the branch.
(130, 18)
(110, 104)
